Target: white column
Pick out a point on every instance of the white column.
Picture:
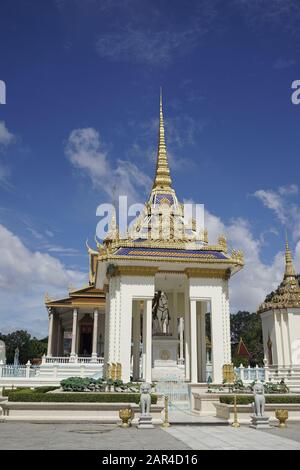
(95, 334)
(59, 328)
(187, 331)
(124, 317)
(278, 359)
(106, 330)
(226, 323)
(136, 340)
(175, 314)
(181, 359)
(217, 337)
(144, 339)
(148, 352)
(74, 332)
(49, 349)
(203, 341)
(194, 353)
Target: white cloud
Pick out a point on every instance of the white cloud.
(288, 190)
(4, 174)
(25, 276)
(153, 48)
(272, 200)
(286, 210)
(248, 287)
(86, 152)
(276, 13)
(141, 39)
(6, 137)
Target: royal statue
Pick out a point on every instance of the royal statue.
(259, 400)
(160, 314)
(145, 419)
(145, 400)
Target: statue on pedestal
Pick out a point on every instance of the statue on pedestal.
(259, 420)
(160, 314)
(16, 357)
(145, 400)
(259, 400)
(145, 420)
(2, 352)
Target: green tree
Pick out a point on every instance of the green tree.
(29, 347)
(248, 326)
(36, 348)
(18, 339)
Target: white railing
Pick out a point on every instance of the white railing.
(71, 360)
(249, 374)
(12, 370)
(174, 387)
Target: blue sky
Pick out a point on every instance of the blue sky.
(80, 124)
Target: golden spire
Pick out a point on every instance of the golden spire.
(162, 175)
(289, 268)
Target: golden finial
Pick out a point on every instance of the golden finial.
(289, 268)
(222, 242)
(162, 175)
(47, 298)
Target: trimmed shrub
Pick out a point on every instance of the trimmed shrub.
(76, 384)
(44, 389)
(6, 391)
(32, 396)
(246, 400)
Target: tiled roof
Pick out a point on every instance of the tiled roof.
(169, 253)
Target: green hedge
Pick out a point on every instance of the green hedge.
(89, 397)
(7, 391)
(246, 400)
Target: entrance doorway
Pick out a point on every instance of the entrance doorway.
(85, 335)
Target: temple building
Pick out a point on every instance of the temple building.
(280, 315)
(157, 302)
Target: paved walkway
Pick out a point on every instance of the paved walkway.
(22, 435)
(177, 417)
(228, 438)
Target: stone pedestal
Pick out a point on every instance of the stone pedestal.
(259, 422)
(145, 422)
(164, 354)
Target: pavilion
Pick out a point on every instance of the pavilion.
(157, 296)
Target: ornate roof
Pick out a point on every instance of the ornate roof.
(86, 296)
(161, 230)
(242, 350)
(287, 295)
(170, 253)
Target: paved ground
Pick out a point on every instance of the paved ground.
(228, 438)
(14, 435)
(42, 436)
(292, 431)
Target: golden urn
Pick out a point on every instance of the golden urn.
(282, 416)
(126, 415)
